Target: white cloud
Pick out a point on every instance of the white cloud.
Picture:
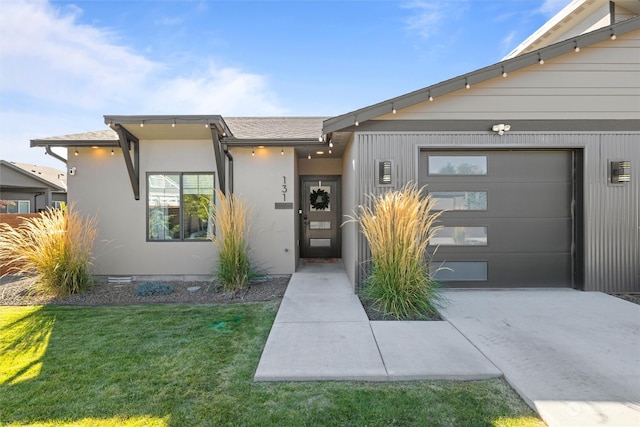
(507, 42)
(227, 91)
(48, 56)
(54, 69)
(430, 15)
(550, 7)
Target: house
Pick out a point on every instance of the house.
(533, 158)
(30, 188)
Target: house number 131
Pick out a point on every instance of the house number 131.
(284, 188)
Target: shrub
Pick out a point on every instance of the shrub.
(54, 248)
(230, 215)
(398, 226)
(146, 289)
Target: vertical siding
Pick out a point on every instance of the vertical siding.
(612, 248)
(372, 147)
(611, 256)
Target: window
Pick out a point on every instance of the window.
(179, 206)
(460, 236)
(460, 271)
(457, 165)
(460, 200)
(15, 206)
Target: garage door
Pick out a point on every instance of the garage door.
(508, 219)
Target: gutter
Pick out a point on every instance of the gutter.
(47, 149)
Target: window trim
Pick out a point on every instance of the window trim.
(182, 239)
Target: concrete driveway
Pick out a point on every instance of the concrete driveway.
(573, 356)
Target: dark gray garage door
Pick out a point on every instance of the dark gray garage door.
(509, 217)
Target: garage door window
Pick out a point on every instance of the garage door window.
(460, 200)
(460, 271)
(460, 236)
(457, 165)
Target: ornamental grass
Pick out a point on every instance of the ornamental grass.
(230, 216)
(398, 226)
(53, 248)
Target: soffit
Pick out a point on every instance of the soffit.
(232, 128)
(573, 15)
(304, 133)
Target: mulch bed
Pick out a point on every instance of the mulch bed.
(18, 291)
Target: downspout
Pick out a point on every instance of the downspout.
(47, 149)
(35, 202)
(225, 149)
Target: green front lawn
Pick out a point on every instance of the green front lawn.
(193, 366)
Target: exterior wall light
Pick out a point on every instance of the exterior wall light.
(501, 128)
(384, 173)
(620, 172)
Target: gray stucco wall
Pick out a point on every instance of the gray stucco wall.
(611, 212)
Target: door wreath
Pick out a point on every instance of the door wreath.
(319, 199)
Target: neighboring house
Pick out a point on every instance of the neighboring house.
(535, 158)
(29, 188)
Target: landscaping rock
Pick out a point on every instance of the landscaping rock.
(146, 289)
(17, 291)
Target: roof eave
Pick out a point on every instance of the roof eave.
(347, 122)
(205, 120)
(548, 26)
(288, 142)
(73, 143)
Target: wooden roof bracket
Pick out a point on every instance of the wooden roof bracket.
(217, 150)
(127, 141)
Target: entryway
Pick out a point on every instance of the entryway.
(320, 217)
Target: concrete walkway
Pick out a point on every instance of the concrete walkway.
(321, 332)
(573, 356)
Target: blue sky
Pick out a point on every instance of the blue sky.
(64, 64)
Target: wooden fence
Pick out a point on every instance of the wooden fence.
(14, 220)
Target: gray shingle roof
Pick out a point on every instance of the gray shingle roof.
(266, 128)
(275, 127)
(55, 177)
(99, 135)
